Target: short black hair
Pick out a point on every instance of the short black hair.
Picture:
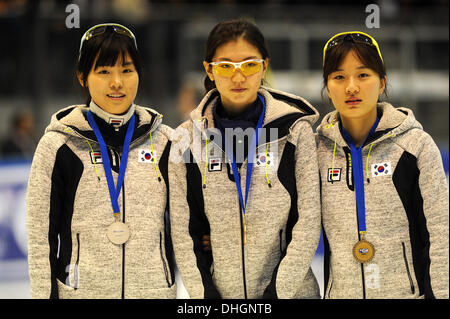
(108, 46)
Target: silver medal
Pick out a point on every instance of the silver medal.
(118, 233)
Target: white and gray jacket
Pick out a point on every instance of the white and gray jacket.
(69, 210)
(282, 214)
(406, 210)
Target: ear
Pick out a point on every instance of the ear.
(265, 66)
(80, 79)
(208, 70)
(382, 84)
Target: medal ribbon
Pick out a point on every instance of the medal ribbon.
(113, 191)
(250, 160)
(356, 154)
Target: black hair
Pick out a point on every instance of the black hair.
(232, 30)
(367, 54)
(108, 46)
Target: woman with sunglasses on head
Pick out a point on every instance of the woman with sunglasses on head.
(244, 179)
(97, 194)
(384, 191)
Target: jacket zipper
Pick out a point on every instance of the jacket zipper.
(359, 235)
(362, 274)
(407, 268)
(163, 260)
(75, 271)
(362, 265)
(242, 243)
(363, 281)
(123, 220)
(241, 217)
(123, 245)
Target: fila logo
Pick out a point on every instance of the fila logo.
(334, 175)
(381, 169)
(96, 158)
(214, 164)
(115, 121)
(145, 156)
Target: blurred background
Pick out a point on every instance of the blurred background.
(39, 51)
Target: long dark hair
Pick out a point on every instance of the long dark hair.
(108, 46)
(232, 30)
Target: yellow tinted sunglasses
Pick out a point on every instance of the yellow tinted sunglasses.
(356, 36)
(247, 68)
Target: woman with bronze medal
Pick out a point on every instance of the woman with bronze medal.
(97, 194)
(384, 191)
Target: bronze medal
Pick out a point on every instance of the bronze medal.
(363, 251)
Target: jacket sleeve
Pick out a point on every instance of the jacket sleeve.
(434, 189)
(294, 278)
(189, 223)
(42, 238)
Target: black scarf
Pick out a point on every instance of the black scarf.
(248, 119)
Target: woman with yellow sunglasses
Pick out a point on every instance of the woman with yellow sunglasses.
(97, 192)
(245, 210)
(384, 190)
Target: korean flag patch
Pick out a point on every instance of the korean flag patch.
(381, 169)
(264, 158)
(146, 156)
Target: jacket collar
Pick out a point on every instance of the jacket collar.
(281, 109)
(393, 121)
(72, 120)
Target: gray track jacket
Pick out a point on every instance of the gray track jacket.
(406, 209)
(283, 209)
(69, 210)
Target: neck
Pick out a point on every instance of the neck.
(115, 120)
(359, 128)
(233, 110)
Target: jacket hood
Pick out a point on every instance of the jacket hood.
(72, 121)
(280, 107)
(393, 121)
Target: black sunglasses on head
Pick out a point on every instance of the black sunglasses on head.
(101, 28)
(356, 36)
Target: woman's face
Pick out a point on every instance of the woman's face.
(114, 88)
(237, 91)
(354, 89)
